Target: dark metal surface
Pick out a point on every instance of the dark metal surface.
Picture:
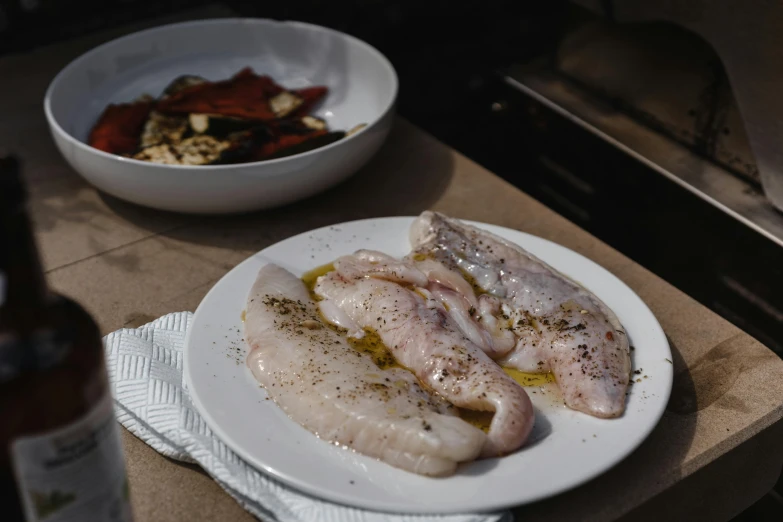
(685, 166)
(747, 38)
(667, 78)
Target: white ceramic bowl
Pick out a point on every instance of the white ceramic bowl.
(362, 89)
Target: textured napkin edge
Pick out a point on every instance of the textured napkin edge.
(146, 434)
(276, 508)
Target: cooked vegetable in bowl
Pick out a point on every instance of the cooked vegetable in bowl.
(197, 122)
(225, 115)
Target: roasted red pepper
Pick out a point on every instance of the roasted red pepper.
(119, 127)
(246, 96)
(311, 96)
(273, 147)
(245, 72)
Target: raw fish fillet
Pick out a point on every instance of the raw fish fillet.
(378, 292)
(559, 325)
(338, 393)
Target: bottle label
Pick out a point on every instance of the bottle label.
(76, 473)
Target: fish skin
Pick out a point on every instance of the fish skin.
(424, 338)
(560, 326)
(338, 393)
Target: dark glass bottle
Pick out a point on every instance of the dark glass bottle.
(60, 452)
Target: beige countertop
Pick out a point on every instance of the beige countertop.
(715, 451)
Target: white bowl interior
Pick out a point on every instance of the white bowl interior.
(361, 83)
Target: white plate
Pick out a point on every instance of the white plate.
(569, 448)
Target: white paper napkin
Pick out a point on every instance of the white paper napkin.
(145, 368)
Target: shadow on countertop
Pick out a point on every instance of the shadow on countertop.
(624, 476)
(404, 178)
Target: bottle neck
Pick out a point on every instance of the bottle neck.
(22, 282)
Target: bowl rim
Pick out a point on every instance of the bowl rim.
(73, 141)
